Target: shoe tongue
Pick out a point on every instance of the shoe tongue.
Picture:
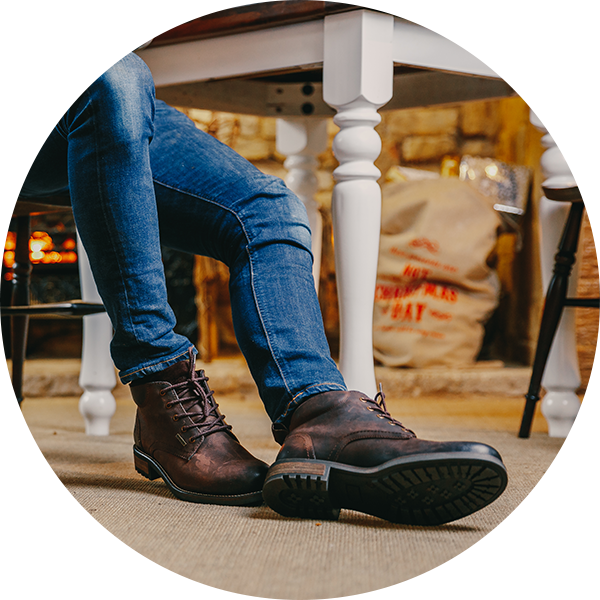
(176, 373)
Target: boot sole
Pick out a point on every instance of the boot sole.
(146, 466)
(415, 490)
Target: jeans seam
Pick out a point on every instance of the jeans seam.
(254, 294)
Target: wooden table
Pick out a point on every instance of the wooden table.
(307, 60)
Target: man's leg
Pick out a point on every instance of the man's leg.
(83, 119)
(100, 149)
(213, 202)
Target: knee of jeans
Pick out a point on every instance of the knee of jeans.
(125, 95)
(280, 219)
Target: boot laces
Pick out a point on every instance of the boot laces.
(379, 406)
(194, 392)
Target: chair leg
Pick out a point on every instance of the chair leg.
(553, 308)
(20, 297)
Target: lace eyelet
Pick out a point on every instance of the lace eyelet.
(168, 405)
(380, 417)
(175, 417)
(162, 392)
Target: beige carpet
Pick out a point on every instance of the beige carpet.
(256, 552)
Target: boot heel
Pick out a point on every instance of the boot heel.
(144, 467)
(300, 489)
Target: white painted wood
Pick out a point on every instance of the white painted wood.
(357, 58)
(561, 378)
(461, 51)
(272, 49)
(357, 80)
(97, 377)
(301, 140)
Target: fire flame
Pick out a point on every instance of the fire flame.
(41, 249)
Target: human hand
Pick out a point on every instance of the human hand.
(53, 25)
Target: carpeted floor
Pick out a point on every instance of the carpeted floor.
(256, 552)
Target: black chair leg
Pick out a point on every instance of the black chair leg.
(553, 308)
(20, 297)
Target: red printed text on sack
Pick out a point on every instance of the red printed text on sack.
(428, 261)
(407, 329)
(441, 316)
(415, 272)
(423, 242)
(425, 289)
(406, 311)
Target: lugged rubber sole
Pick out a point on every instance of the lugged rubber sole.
(415, 490)
(146, 466)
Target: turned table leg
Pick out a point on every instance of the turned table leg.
(357, 81)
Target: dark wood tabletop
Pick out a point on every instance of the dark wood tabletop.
(479, 15)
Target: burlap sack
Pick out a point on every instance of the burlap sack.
(435, 289)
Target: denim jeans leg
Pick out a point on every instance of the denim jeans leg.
(213, 202)
(101, 148)
(139, 171)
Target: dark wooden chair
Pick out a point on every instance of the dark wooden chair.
(556, 296)
(20, 308)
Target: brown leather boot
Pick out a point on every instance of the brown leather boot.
(181, 436)
(344, 450)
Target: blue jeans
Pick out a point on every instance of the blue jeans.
(140, 173)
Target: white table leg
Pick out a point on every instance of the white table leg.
(357, 81)
(561, 377)
(301, 140)
(97, 377)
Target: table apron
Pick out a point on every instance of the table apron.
(277, 48)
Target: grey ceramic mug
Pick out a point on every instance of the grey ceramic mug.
(122, 27)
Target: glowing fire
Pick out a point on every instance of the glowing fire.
(41, 249)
